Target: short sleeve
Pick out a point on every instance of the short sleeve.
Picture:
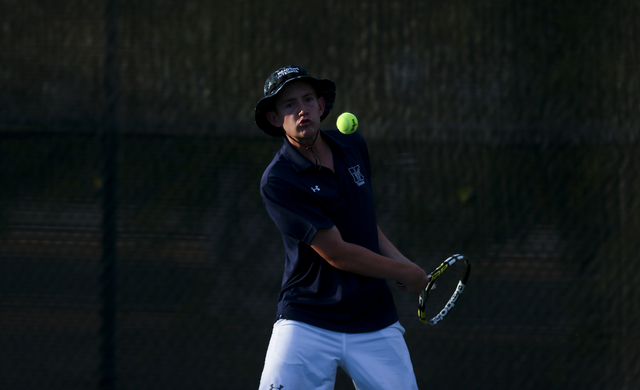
(294, 214)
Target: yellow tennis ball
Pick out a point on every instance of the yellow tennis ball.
(347, 123)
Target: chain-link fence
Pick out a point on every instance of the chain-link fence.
(135, 251)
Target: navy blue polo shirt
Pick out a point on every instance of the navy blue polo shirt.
(302, 198)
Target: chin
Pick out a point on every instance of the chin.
(307, 131)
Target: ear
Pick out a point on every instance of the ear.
(274, 119)
(321, 104)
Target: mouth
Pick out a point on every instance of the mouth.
(304, 122)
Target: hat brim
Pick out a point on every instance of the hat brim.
(325, 88)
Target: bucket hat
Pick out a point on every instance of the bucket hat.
(274, 84)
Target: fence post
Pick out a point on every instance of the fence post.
(109, 145)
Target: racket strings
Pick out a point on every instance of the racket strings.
(442, 289)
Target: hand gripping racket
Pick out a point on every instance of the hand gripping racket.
(446, 283)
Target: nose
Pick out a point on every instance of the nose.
(303, 110)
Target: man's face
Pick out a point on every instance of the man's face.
(298, 110)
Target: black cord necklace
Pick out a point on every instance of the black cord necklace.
(318, 162)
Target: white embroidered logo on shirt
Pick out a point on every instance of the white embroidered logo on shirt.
(357, 176)
(315, 189)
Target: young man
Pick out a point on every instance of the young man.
(335, 307)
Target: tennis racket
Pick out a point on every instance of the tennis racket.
(446, 283)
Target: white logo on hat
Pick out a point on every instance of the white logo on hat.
(286, 71)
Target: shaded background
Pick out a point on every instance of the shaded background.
(135, 251)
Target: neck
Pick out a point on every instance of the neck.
(306, 147)
(303, 143)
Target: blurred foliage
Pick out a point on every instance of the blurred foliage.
(396, 63)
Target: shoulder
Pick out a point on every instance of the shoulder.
(349, 144)
(286, 177)
(278, 170)
(345, 140)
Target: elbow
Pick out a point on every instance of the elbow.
(337, 258)
(330, 246)
(337, 261)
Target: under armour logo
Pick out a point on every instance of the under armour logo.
(278, 388)
(315, 189)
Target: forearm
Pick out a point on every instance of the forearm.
(362, 261)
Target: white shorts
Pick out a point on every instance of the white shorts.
(301, 356)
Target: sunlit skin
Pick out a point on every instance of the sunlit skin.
(298, 111)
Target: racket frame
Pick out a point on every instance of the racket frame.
(433, 276)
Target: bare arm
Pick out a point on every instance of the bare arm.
(329, 244)
(389, 250)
